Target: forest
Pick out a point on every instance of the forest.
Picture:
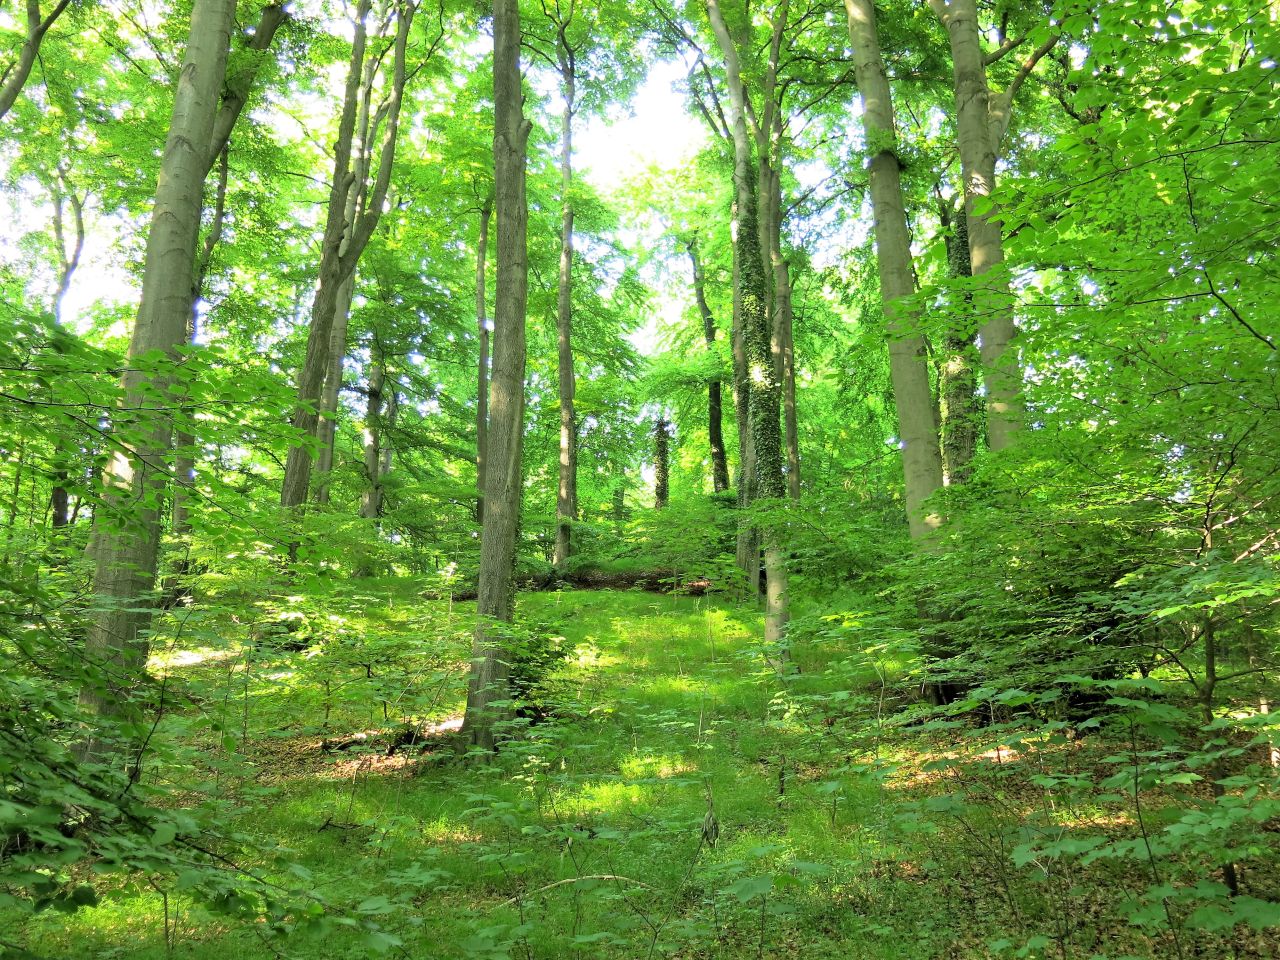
(691, 479)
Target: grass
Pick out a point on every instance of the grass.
(587, 836)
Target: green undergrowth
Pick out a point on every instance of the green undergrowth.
(674, 798)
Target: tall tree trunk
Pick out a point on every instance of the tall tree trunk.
(15, 74)
(715, 412)
(327, 426)
(764, 391)
(126, 534)
(661, 463)
(371, 500)
(235, 95)
(908, 367)
(69, 253)
(495, 603)
(769, 130)
(981, 122)
(957, 375)
(784, 339)
(747, 556)
(482, 376)
(567, 493)
(344, 242)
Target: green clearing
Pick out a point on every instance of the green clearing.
(587, 837)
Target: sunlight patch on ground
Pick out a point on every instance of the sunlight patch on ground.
(655, 765)
(173, 659)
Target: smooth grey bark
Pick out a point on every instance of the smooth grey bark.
(327, 425)
(343, 242)
(15, 74)
(715, 403)
(482, 375)
(126, 535)
(908, 366)
(567, 490)
(661, 463)
(764, 390)
(504, 480)
(235, 95)
(981, 123)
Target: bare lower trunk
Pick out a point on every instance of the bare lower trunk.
(126, 535)
(371, 499)
(715, 403)
(567, 492)
(495, 603)
(482, 376)
(327, 428)
(908, 367)
(661, 463)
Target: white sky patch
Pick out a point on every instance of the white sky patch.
(655, 129)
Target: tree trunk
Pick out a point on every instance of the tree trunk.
(567, 494)
(482, 377)
(959, 408)
(908, 367)
(978, 148)
(715, 412)
(126, 534)
(784, 340)
(371, 500)
(747, 556)
(764, 390)
(344, 241)
(327, 426)
(661, 463)
(69, 253)
(495, 603)
(16, 73)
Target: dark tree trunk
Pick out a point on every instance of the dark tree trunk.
(661, 463)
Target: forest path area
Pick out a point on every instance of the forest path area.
(677, 801)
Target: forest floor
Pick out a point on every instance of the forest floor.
(591, 837)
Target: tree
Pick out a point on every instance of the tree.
(486, 688)
(764, 389)
(715, 415)
(482, 335)
(982, 121)
(921, 459)
(14, 74)
(126, 536)
(351, 193)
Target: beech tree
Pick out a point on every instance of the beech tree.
(504, 475)
(126, 537)
(355, 206)
(921, 458)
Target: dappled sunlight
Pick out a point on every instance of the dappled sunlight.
(164, 660)
(659, 766)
